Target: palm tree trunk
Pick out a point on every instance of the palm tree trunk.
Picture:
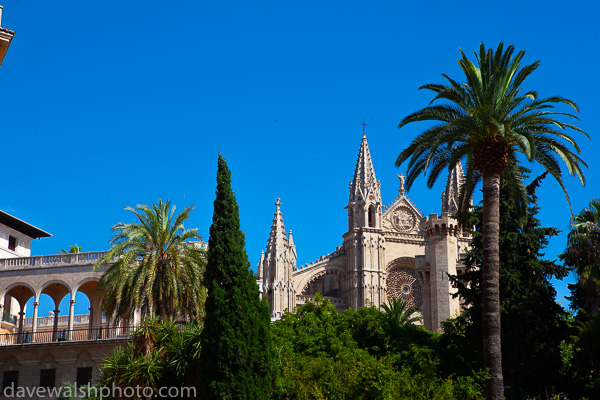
(492, 351)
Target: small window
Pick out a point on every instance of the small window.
(48, 378)
(10, 379)
(371, 217)
(84, 376)
(12, 243)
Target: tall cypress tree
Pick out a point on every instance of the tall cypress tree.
(237, 351)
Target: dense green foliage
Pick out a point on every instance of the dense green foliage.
(364, 354)
(534, 325)
(237, 353)
(151, 268)
(159, 354)
(583, 255)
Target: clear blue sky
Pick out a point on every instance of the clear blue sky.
(116, 103)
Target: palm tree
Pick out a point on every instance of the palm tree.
(583, 253)
(72, 250)
(485, 123)
(151, 267)
(400, 313)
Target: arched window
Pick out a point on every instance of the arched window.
(372, 216)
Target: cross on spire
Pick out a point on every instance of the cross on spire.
(363, 125)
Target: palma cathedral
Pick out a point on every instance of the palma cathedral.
(387, 252)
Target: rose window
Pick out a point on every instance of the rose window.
(403, 284)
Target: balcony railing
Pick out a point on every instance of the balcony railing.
(63, 335)
(66, 259)
(54, 259)
(78, 319)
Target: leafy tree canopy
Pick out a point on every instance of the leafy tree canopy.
(363, 354)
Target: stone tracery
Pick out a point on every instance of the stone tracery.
(402, 284)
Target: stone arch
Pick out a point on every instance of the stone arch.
(403, 283)
(318, 272)
(88, 286)
(57, 289)
(20, 291)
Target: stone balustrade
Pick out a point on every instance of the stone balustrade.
(63, 320)
(54, 260)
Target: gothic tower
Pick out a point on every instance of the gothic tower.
(276, 266)
(443, 255)
(364, 243)
(450, 195)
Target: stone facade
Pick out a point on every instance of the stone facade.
(49, 365)
(387, 252)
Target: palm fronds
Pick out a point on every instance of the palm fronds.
(151, 267)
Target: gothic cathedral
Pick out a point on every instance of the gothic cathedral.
(387, 252)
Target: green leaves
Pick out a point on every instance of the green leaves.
(159, 354)
(533, 323)
(151, 267)
(583, 254)
(399, 313)
(237, 354)
(487, 109)
(360, 354)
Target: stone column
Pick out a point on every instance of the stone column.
(137, 318)
(96, 317)
(71, 316)
(55, 328)
(35, 319)
(21, 317)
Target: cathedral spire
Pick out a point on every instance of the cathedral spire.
(277, 266)
(364, 182)
(277, 237)
(364, 204)
(450, 195)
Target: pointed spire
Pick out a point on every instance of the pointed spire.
(364, 182)
(277, 237)
(450, 195)
(260, 269)
(290, 239)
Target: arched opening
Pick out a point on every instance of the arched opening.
(372, 216)
(91, 316)
(327, 283)
(13, 310)
(58, 331)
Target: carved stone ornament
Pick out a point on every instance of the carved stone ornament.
(403, 219)
(402, 284)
